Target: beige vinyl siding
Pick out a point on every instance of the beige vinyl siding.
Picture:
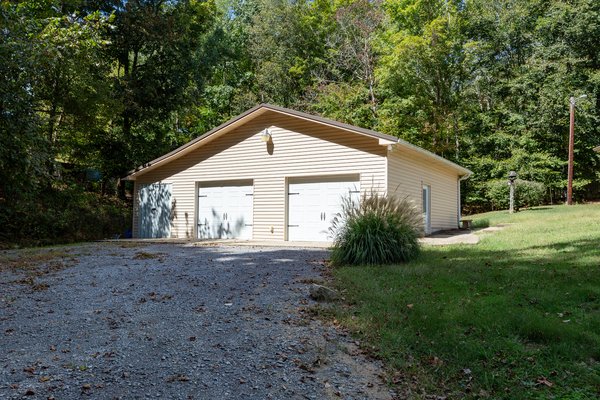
(298, 148)
(408, 171)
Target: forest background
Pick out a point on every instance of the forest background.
(93, 89)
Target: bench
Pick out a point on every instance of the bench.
(466, 223)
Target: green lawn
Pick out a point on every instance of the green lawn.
(516, 316)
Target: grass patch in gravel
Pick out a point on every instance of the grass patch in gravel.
(517, 316)
(36, 263)
(30, 258)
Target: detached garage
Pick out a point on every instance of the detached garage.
(278, 174)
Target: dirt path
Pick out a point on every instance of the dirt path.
(171, 321)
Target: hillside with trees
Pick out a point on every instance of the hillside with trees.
(92, 89)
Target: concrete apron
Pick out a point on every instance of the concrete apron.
(263, 243)
(444, 238)
(226, 242)
(437, 239)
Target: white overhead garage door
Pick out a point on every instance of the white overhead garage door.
(225, 210)
(314, 202)
(155, 210)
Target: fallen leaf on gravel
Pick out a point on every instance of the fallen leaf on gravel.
(242, 381)
(86, 386)
(14, 385)
(178, 378)
(40, 286)
(44, 378)
(29, 392)
(29, 370)
(52, 348)
(142, 255)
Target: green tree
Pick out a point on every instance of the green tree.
(52, 91)
(155, 47)
(422, 75)
(346, 87)
(524, 60)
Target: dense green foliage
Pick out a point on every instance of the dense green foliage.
(110, 85)
(527, 193)
(63, 216)
(515, 317)
(379, 230)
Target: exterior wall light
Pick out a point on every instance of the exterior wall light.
(266, 136)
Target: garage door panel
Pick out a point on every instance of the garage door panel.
(312, 205)
(225, 211)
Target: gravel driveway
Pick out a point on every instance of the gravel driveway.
(131, 321)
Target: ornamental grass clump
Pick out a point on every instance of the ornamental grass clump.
(379, 230)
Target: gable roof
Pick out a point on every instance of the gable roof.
(261, 109)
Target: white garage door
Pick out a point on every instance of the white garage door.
(225, 210)
(312, 204)
(155, 210)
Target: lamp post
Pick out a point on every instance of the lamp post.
(512, 176)
(572, 102)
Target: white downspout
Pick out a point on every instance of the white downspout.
(458, 211)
